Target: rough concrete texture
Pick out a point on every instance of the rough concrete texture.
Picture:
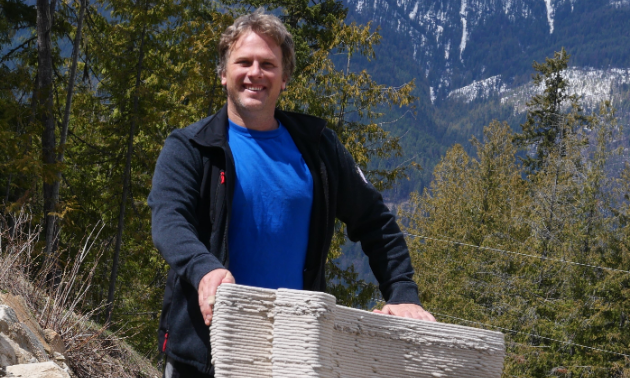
(242, 331)
(40, 370)
(289, 333)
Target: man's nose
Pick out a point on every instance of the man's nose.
(255, 70)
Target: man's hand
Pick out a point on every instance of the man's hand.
(406, 310)
(208, 289)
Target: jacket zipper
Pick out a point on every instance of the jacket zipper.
(165, 340)
(230, 172)
(216, 212)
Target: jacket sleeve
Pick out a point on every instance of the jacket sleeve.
(173, 201)
(360, 206)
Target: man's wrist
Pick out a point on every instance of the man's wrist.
(199, 269)
(404, 292)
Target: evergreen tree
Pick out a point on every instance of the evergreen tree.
(547, 122)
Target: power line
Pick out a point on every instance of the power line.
(516, 253)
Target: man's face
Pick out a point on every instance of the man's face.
(253, 76)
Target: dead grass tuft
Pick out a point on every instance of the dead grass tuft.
(91, 349)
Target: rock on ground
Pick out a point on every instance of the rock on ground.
(39, 370)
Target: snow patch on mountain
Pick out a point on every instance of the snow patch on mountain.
(413, 13)
(463, 14)
(438, 34)
(447, 50)
(550, 14)
(507, 9)
(479, 89)
(592, 86)
(619, 3)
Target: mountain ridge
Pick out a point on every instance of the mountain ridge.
(456, 42)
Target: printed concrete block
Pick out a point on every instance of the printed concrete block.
(290, 333)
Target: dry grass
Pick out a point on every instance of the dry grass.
(91, 350)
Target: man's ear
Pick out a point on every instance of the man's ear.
(223, 79)
(284, 83)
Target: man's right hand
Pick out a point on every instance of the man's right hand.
(208, 289)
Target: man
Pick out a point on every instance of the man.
(250, 195)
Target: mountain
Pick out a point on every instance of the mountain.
(472, 60)
(456, 41)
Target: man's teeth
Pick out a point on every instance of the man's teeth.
(255, 88)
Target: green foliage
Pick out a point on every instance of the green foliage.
(526, 250)
(349, 290)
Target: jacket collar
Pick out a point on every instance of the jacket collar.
(300, 126)
(214, 132)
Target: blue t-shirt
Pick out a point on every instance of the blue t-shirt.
(271, 208)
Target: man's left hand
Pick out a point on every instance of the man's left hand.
(406, 310)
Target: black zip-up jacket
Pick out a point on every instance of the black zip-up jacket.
(191, 201)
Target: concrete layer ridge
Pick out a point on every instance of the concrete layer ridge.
(290, 333)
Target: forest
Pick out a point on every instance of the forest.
(529, 237)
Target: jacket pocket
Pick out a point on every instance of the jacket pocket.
(165, 316)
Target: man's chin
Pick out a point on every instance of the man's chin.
(249, 106)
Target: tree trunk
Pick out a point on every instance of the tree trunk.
(70, 90)
(54, 191)
(45, 11)
(126, 184)
(6, 197)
